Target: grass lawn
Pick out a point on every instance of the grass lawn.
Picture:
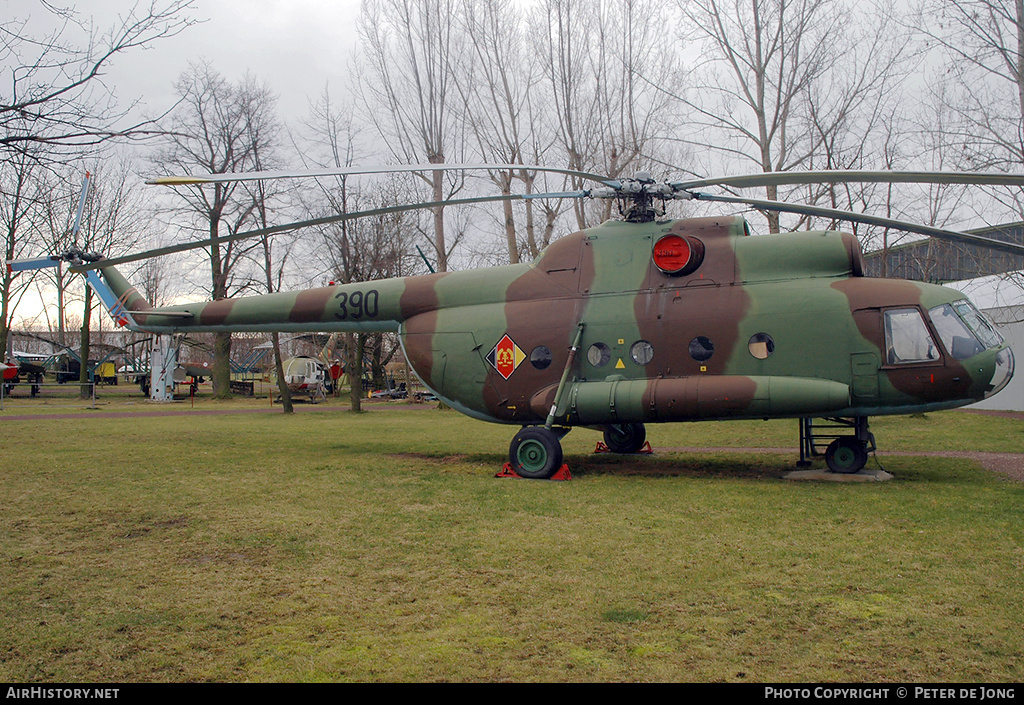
(329, 546)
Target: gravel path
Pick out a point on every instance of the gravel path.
(1009, 464)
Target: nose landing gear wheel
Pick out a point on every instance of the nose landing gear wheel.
(846, 455)
(535, 453)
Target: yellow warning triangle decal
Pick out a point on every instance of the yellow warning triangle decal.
(619, 365)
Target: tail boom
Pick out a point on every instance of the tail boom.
(362, 307)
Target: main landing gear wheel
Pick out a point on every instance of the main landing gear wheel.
(625, 437)
(846, 455)
(535, 453)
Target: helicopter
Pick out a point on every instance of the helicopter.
(306, 375)
(644, 319)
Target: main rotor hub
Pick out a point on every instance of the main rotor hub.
(639, 197)
(78, 256)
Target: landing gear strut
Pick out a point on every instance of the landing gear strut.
(846, 454)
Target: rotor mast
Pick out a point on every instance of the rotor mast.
(637, 197)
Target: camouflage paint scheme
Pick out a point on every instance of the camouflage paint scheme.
(806, 290)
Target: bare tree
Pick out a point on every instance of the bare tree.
(57, 231)
(982, 44)
(54, 105)
(218, 127)
(54, 93)
(914, 141)
(273, 271)
(979, 88)
(494, 84)
(365, 249)
(262, 195)
(328, 139)
(787, 82)
(609, 83)
(21, 192)
(412, 49)
(355, 250)
(562, 29)
(633, 79)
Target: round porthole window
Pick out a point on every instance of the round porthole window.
(599, 354)
(761, 345)
(641, 352)
(701, 348)
(541, 357)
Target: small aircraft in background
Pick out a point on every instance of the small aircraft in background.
(23, 368)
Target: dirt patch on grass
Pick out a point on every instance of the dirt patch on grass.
(449, 459)
(651, 465)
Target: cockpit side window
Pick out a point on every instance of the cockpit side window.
(907, 338)
(960, 342)
(978, 323)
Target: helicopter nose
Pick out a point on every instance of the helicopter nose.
(1003, 372)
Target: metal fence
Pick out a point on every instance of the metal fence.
(41, 390)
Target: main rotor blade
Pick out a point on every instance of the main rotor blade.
(838, 176)
(185, 246)
(383, 169)
(867, 219)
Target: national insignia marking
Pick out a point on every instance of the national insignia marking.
(505, 357)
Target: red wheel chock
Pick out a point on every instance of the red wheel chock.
(561, 474)
(602, 448)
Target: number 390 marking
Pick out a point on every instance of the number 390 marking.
(357, 304)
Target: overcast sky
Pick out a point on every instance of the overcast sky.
(294, 46)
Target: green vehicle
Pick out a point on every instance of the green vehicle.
(651, 320)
